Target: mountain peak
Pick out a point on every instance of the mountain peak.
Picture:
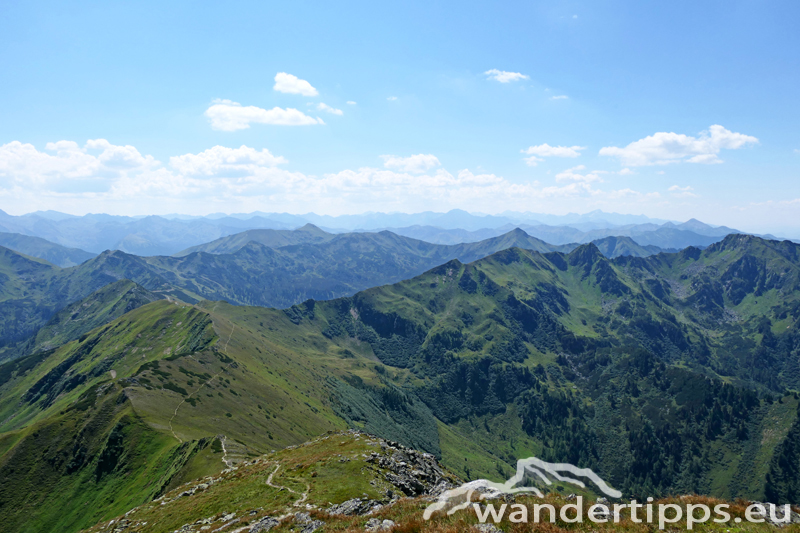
(755, 245)
(311, 228)
(585, 254)
(738, 241)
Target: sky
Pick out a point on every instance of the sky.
(669, 109)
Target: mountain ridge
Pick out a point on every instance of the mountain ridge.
(166, 235)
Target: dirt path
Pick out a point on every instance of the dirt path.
(225, 459)
(303, 497)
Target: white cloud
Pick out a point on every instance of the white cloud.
(219, 160)
(67, 167)
(119, 156)
(560, 97)
(232, 116)
(416, 163)
(328, 109)
(682, 192)
(664, 148)
(503, 76)
(79, 178)
(350, 102)
(625, 172)
(391, 98)
(532, 161)
(571, 174)
(287, 83)
(545, 150)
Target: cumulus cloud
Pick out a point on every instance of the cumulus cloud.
(532, 161)
(72, 177)
(226, 115)
(541, 151)
(119, 156)
(545, 150)
(571, 174)
(663, 148)
(328, 109)
(416, 163)
(67, 166)
(504, 76)
(221, 160)
(350, 102)
(682, 192)
(287, 83)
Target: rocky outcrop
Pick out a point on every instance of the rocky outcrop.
(412, 472)
(374, 524)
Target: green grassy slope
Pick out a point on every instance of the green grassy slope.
(75, 448)
(100, 307)
(32, 290)
(24, 306)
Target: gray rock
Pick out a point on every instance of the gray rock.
(406, 483)
(309, 525)
(265, 524)
(794, 518)
(356, 506)
(487, 528)
(312, 526)
(375, 524)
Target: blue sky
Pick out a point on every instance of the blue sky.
(671, 109)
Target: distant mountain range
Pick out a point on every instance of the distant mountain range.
(141, 236)
(168, 235)
(666, 236)
(453, 219)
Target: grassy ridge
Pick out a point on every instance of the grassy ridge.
(289, 489)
